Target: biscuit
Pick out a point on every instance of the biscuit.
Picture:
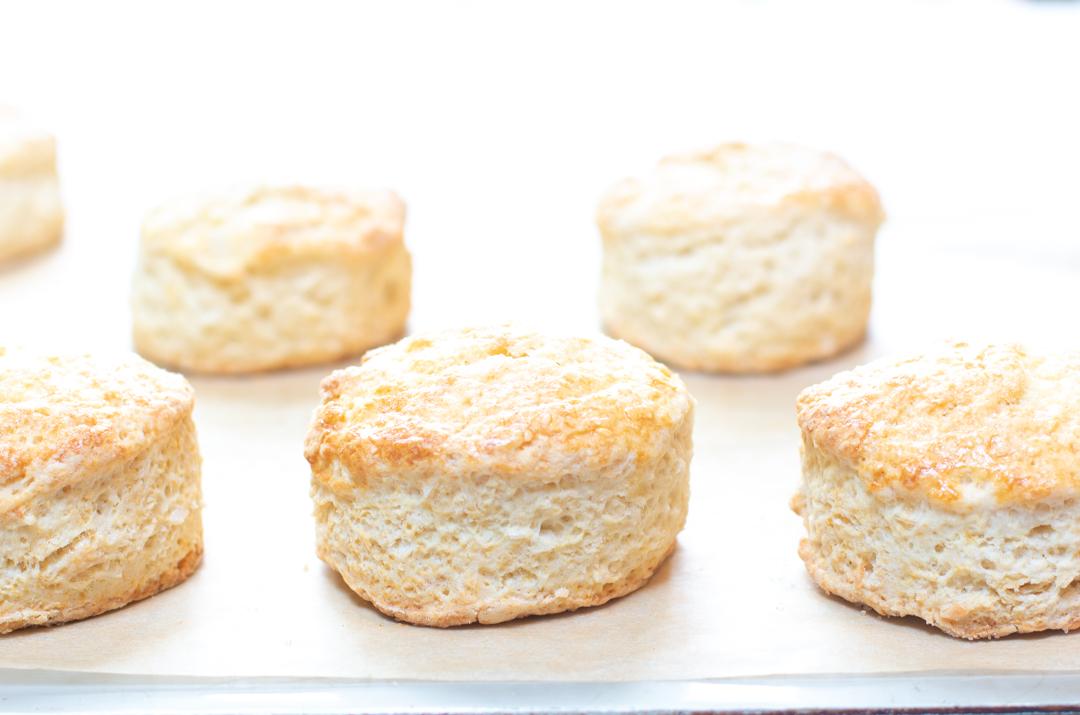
(494, 473)
(99, 485)
(947, 486)
(31, 215)
(266, 278)
(746, 258)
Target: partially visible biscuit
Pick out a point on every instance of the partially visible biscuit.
(31, 215)
(947, 486)
(489, 474)
(266, 278)
(745, 258)
(99, 485)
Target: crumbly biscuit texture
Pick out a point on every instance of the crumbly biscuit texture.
(745, 258)
(945, 486)
(490, 474)
(31, 214)
(100, 492)
(270, 277)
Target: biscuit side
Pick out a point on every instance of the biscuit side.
(972, 572)
(313, 311)
(766, 292)
(488, 547)
(100, 543)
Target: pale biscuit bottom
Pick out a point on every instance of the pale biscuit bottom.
(31, 215)
(983, 571)
(100, 544)
(445, 552)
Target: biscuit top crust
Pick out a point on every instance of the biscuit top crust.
(26, 149)
(230, 233)
(964, 426)
(504, 398)
(64, 419)
(701, 190)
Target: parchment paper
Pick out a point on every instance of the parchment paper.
(501, 167)
(733, 600)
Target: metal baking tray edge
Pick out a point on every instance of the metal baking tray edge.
(965, 692)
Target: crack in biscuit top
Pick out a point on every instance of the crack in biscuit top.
(229, 233)
(961, 426)
(707, 189)
(506, 399)
(63, 419)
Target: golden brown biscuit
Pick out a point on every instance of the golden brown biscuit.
(99, 485)
(495, 473)
(745, 258)
(947, 486)
(269, 278)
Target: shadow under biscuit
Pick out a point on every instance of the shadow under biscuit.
(153, 618)
(914, 623)
(907, 622)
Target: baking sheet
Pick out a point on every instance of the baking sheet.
(973, 692)
(501, 148)
(733, 600)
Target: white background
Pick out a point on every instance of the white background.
(502, 124)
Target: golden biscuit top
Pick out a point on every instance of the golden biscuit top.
(230, 233)
(505, 398)
(962, 425)
(706, 189)
(63, 419)
(26, 149)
